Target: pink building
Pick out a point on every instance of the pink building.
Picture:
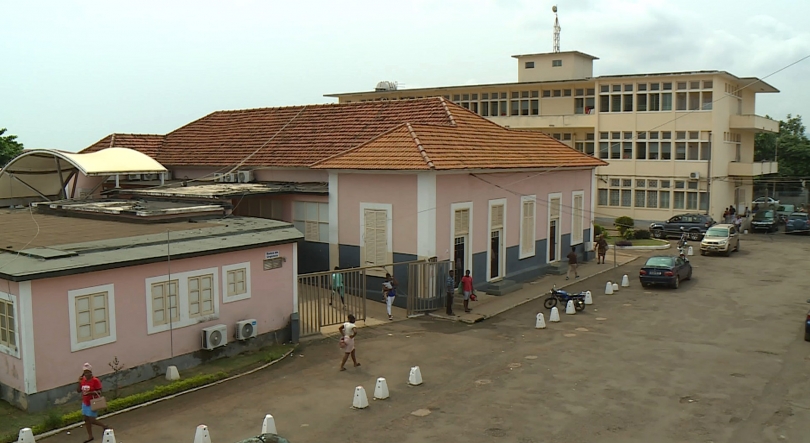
(78, 284)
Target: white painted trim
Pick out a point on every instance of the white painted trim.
(15, 351)
(295, 277)
(75, 345)
(502, 255)
(558, 240)
(426, 215)
(469, 244)
(27, 339)
(581, 236)
(182, 300)
(389, 210)
(334, 241)
(234, 267)
(533, 252)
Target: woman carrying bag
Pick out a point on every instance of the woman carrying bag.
(92, 400)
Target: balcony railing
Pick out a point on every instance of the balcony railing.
(737, 169)
(753, 122)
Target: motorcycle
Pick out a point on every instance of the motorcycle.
(560, 296)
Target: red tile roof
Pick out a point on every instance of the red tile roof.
(399, 135)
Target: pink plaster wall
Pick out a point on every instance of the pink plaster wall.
(395, 189)
(459, 188)
(11, 368)
(271, 303)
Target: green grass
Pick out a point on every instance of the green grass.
(650, 242)
(13, 419)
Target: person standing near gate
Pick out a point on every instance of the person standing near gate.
(450, 290)
(337, 286)
(467, 289)
(389, 293)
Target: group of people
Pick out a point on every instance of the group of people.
(731, 216)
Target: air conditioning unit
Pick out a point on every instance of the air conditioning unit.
(149, 177)
(245, 176)
(231, 178)
(219, 177)
(694, 176)
(214, 337)
(134, 176)
(246, 329)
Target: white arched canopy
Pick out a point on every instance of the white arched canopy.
(44, 173)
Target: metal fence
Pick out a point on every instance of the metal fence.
(427, 283)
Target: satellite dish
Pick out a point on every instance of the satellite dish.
(554, 9)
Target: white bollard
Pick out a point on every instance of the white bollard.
(109, 436)
(541, 321)
(609, 288)
(202, 435)
(555, 315)
(625, 281)
(615, 287)
(569, 308)
(360, 398)
(691, 251)
(745, 232)
(269, 425)
(415, 377)
(26, 436)
(381, 390)
(588, 298)
(172, 373)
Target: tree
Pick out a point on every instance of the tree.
(9, 147)
(791, 148)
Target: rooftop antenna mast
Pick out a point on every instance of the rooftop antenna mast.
(556, 29)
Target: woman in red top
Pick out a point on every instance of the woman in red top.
(89, 387)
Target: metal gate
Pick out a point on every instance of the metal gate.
(427, 283)
(327, 298)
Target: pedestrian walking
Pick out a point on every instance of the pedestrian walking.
(601, 249)
(389, 293)
(467, 289)
(738, 223)
(725, 216)
(90, 388)
(572, 263)
(450, 289)
(337, 286)
(348, 331)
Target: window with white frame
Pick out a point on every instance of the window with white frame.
(651, 193)
(164, 303)
(577, 215)
(312, 219)
(8, 323)
(236, 280)
(376, 234)
(92, 317)
(200, 295)
(528, 226)
(187, 299)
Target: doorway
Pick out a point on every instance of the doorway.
(459, 257)
(552, 241)
(495, 255)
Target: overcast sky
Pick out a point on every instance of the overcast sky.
(73, 72)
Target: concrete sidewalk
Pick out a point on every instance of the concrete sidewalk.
(489, 306)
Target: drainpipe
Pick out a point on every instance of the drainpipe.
(709, 178)
(117, 183)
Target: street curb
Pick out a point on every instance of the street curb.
(642, 248)
(169, 397)
(527, 300)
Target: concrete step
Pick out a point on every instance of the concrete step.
(503, 287)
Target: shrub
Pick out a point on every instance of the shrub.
(600, 230)
(621, 243)
(642, 234)
(629, 234)
(623, 224)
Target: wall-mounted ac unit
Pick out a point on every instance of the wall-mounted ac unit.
(133, 176)
(245, 176)
(214, 337)
(219, 177)
(694, 176)
(246, 329)
(149, 177)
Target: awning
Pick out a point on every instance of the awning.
(44, 173)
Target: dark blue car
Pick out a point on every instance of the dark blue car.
(798, 222)
(665, 270)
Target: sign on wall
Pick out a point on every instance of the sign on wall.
(270, 254)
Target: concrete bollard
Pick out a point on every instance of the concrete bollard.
(588, 298)
(745, 232)
(555, 315)
(690, 251)
(625, 281)
(360, 398)
(415, 377)
(269, 425)
(381, 390)
(609, 288)
(109, 436)
(26, 436)
(569, 308)
(201, 436)
(541, 321)
(615, 287)
(172, 373)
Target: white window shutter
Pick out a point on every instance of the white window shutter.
(381, 245)
(497, 216)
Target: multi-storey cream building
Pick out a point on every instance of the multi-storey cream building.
(676, 142)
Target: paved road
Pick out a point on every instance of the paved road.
(720, 360)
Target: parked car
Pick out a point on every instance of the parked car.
(764, 201)
(665, 270)
(798, 223)
(783, 211)
(695, 226)
(765, 221)
(720, 239)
